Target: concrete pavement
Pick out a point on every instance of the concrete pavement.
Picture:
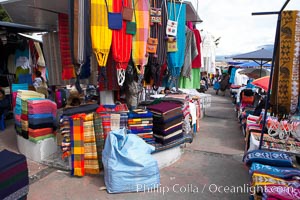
(210, 168)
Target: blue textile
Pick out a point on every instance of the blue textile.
(280, 172)
(279, 159)
(128, 164)
(176, 59)
(25, 78)
(232, 75)
(133, 115)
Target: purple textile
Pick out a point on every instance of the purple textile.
(164, 107)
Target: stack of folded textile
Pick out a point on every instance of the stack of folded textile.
(21, 110)
(273, 175)
(167, 121)
(140, 122)
(41, 118)
(14, 181)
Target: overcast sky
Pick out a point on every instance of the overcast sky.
(232, 20)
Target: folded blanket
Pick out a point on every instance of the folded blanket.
(169, 130)
(169, 138)
(164, 107)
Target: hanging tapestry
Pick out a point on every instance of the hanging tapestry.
(68, 71)
(288, 83)
(100, 33)
(176, 59)
(77, 145)
(121, 44)
(99, 135)
(139, 41)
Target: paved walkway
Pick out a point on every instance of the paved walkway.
(211, 167)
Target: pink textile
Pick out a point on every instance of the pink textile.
(281, 192)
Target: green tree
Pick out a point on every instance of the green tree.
(3, 15)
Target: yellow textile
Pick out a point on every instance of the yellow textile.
(100, 33)
(288, 79)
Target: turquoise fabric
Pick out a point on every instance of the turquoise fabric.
(176, 59)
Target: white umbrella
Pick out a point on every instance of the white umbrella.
(255, 73)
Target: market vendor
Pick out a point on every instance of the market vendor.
(4, 103)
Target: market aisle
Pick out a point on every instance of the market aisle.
(210, 168)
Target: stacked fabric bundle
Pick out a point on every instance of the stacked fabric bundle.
(14, 181)
(167, 121)
(140, 122)
(273, 174)
(21, 110)
(41, 118)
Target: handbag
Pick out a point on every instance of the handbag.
(155, 16)
(151, 46)
(130, 28)
(172, 44)
(127, 13)
(115, 20)
(171, 28)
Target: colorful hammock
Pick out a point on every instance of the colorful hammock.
(176, 59)
(121, 43)
(288, 69)
(100, 33)
(139, 41)
(68, 71)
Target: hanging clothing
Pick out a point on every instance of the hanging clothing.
(232, 75)
(193, 82)
(176, 59)
(197, 60)
(121, 43)
(68, 71)
(100, 33)
(139, 40)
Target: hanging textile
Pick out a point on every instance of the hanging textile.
(139, 40)
(100, 33)
(197, 61)
(52, 58)
(91, 165)
(68, 71)
(288, 79)
(99, 135)
(77, 145)
(158, 30)
(121, 43)
(176, 59)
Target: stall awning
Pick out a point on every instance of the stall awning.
(18, 28)
(43, 13)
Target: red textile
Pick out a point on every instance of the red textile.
(197, 61)
(68, 71)
(121, 41)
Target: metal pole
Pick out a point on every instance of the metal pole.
(276, 45)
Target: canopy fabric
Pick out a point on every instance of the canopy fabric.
(261, 55)
(253, 64)
(262, 82)
(18, 28)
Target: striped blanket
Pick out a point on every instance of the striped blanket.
(99, 136)
(91, 165)
(77, 145)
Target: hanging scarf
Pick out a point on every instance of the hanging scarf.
(68, 71)
(288, 83)
(176, 59)
(121, 43)
(100, 33)
(139, 41)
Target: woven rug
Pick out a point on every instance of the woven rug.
(99, 136)
(288, 82)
